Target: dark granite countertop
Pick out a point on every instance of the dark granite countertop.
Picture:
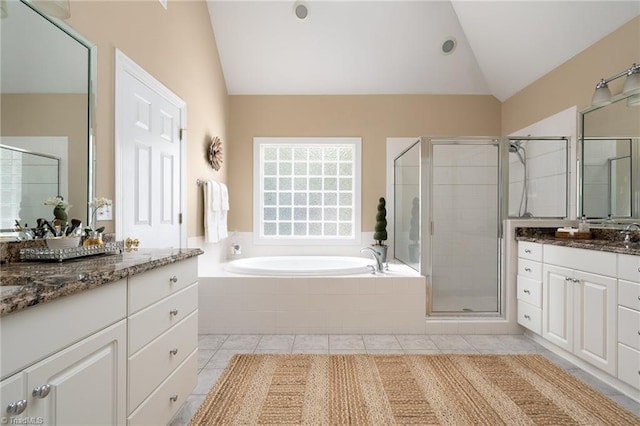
(24, 284)
(603, 240)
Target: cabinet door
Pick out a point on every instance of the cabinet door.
(13, 400)
(595, 307)
(557, 306)
(86, 382)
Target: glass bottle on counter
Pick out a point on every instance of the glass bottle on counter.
(93, 238)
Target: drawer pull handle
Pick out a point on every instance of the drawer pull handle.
(173, 279)
(41, 391)
(527, 269)
(527, 292)
(173, 398)
(173, 312)
(17, 407)
(527, 316)
(527, 251)
(174, 351)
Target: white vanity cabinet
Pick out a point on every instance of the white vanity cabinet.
(163, 340)
(65, 362)
(580, 302)
(629, 319)
(529, 286)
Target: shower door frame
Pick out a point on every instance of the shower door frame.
(426, 224)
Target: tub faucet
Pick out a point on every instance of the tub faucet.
(627, 231)
(379, 267)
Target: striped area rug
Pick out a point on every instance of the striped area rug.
(403, 389)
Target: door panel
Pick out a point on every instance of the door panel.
(557, 306)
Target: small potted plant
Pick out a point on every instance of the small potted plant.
(380, 230)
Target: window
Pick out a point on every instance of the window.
(307, 190)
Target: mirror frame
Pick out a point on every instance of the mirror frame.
(635, 201)
(92, 79)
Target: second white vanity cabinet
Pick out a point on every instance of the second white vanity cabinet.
(163, 340)
(580, 302)
(629, 319)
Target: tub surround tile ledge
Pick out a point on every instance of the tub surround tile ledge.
(603, 240)
(25, 284)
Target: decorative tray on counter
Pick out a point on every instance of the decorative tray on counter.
(45, 253)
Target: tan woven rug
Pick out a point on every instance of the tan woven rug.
(403, 389)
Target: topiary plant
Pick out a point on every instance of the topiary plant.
(380, 229)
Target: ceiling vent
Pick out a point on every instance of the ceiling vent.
(449, 46)
(301, 10)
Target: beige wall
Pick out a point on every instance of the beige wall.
(53, 115)
(177, 47)
(573, 82)
(374, 118)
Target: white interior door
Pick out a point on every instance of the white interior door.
(149, 159)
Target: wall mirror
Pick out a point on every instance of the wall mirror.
(47, 98)
(610, 160)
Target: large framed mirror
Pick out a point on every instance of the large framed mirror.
(610, 160)
(47, 108)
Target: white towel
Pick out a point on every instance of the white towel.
(224, 208)
(211, 215)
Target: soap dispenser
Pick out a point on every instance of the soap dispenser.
(583, 225)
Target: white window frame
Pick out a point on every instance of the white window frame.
(258, 199)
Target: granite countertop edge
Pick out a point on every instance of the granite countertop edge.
(598, 245)
(45, 286)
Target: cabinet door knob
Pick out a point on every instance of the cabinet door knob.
(575, 280)
(41, 391)
(173, 312)
(527, 291)
(173, 279)
(527, 251)
(173, 398)
(17, 407)
(174, 351)
(527, 316)
(527, 269)
(568, 279)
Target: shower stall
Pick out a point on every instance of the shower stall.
(451, 196)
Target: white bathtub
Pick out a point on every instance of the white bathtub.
(300, 265)
(310, 295)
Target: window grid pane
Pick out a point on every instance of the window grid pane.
(312, 182)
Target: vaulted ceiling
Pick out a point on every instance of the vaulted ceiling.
(395, 47)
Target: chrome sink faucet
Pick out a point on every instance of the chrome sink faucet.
(379, 267)
(627, 231)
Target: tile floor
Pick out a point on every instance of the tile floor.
(215, 351)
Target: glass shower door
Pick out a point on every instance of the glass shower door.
(465, 216)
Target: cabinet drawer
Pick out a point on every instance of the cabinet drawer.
(629, 327)
(530, 269)
(531, 251)
(159, 408)
(530, 317)
(151, 286)
(629, 365)
(629, 294)
(154, 320)
(596, 262)
(629, 267)
(530, 291)
(152, 364)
